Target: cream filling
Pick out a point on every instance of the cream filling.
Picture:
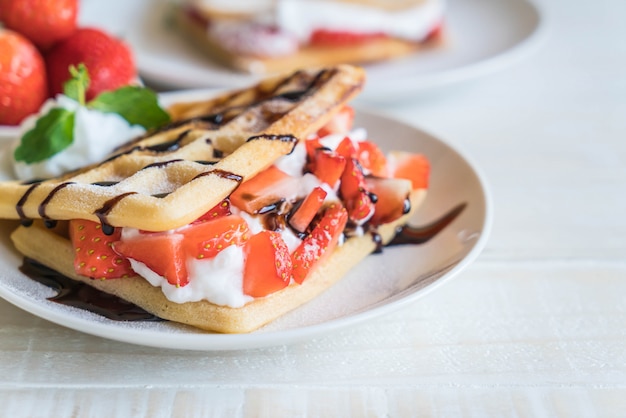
(303, 17)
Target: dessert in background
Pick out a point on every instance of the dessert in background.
(270, 36)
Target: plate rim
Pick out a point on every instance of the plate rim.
(214, 341)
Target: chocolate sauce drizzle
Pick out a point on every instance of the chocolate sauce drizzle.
(80, 295)
(104, 211)
(408, 234)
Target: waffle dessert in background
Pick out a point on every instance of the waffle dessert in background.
(271, 36)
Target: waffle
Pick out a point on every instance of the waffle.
(160, 181)
(35, 242)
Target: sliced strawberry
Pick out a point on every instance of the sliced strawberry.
(324, 37)
(392, 198)
(313, 145)
(261, 190)
(207, 239)
(372, 158)
(328, 167)
(347, 149)
(302, 216)
(358, 200)
(268, 264)
(414, 167)
(320, 242)
(160, 252)
(340, 123)
(221, 209)
(94, 255)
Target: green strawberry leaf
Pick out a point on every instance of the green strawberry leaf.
(138, 105)
(76, 87)
(52, 133)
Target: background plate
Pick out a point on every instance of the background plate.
(381, 283)
(485, 36)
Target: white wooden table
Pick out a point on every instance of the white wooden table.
(535, 327)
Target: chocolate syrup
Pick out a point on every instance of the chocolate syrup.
(80, 295)
(162, 164)
(42, 206)
(223, 174)
(19, 207)
(102, 213)
(418, 235)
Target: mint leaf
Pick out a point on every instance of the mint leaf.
(138, 105)
(76, 87)
(52, 133)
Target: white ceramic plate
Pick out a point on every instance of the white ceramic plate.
(485, 36)
(407, 272)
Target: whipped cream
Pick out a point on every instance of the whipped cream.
(218, 279)
(96, 135)
(303, 17)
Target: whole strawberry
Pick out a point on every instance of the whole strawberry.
(108, 60)
(23, 85)
(44, 22)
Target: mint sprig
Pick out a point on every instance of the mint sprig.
(54, 131)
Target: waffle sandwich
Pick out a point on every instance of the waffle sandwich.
(208, 199)
(271, 36)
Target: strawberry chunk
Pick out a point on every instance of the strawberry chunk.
(160, 252)
(347, 149)
(94, 255)
(268, 264)
(221, 209)
(328, 166)
(414, 167)
(340, 123)
(302, 216)
(325, 37)
(372, 159)
(262, 190)
(320, 242)
(392, 199)
(358, 200)
(207, 239)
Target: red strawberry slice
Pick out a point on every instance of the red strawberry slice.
(414, 167)
(94, 255)
(304, 214)
(328, 167)
(340, 123)
(268, 264)
(347, 148)
(372, 159)
(324, 37)
(320, 242)
(207, 239)
(160, 252)
(221, 209)
(392, 199)
(262, 190)
(358, 200)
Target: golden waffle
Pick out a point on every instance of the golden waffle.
(35, 242)
(171, 177)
